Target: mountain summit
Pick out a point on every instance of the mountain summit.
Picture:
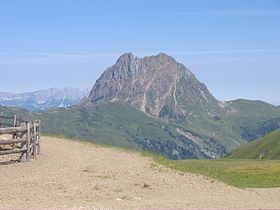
(165, 89)
(157, 85)
(156, 104)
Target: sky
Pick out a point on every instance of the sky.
(232, 46)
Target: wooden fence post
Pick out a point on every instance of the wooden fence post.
(15, 121)
(14, 125)
(28, 142)
(24, 132)
(23, 157)
(39, 133)
(34, 140)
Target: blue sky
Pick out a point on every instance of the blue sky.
(231, 46)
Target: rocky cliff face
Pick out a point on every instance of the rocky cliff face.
(157, 85)
(165, 89)
(187, 121)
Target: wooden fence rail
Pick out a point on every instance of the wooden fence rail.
(25, 137)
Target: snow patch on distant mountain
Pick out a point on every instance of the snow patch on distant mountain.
(44, 99)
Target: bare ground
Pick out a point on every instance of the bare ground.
(77, 175)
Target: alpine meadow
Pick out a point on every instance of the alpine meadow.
(128, 104)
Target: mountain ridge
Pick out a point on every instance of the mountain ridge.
(44, 99)
(266, 147)
(169, 91)
(156, 104)
(157, 85)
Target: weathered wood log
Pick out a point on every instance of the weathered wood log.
(37, 124)
(28, 134)
(12, 141)
(11, 130)
(23, 146)
(6, 152)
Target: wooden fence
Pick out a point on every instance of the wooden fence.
(25, 137)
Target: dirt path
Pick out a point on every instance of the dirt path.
(79, 176)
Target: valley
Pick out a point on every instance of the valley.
(121, 104)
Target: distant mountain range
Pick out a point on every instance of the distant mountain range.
(156, 104)
(44, 99)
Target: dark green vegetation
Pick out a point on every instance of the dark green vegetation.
(9, 111)
(116, 124)
(239, 173)
(266, 147)
(121, 124)
(252, 119)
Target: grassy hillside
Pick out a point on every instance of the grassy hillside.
(9, 111)
(266, 147)
(235, 123)
(251, 119)
(235, 172)
(120, 124)
(123, 125)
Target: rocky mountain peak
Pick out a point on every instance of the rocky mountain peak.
(158, 85)
(125, 57)
(162, 57)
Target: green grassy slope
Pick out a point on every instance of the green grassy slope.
(252, 119)
(123, 125)
(235, 172)
(21, 113)
(236, 123)
(266, 147)
(9, 111)
(119, 124)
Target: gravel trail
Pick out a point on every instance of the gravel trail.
(78, 175)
